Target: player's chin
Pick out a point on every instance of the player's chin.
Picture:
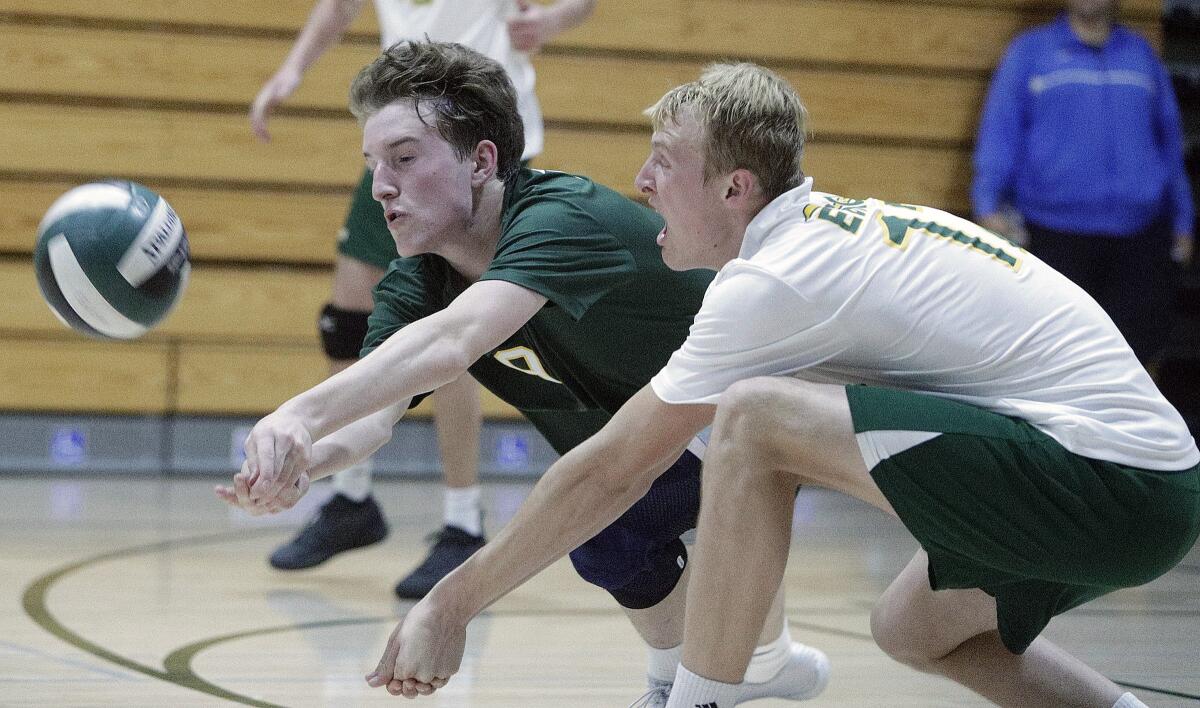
(672, 259)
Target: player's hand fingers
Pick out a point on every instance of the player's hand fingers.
(438, 682)
(226, 494)
(268, 474)
(294, 464)
(260, 112)
(385, 670)
(241, 489)
(292, 494)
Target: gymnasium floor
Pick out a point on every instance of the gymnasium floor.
(148, 592)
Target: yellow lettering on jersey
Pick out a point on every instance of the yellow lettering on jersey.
(526, 361)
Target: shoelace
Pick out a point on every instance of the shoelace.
(653, 698)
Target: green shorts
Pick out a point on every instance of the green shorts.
(364, 235)
(999, 505)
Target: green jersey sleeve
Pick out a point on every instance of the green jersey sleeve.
(554, 246)
(408, 292)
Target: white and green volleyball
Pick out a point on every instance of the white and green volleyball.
(111, 259)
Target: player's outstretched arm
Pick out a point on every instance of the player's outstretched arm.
(328, 20)
(581, 494)
(340, 449)
(534, 25)
(417, 359)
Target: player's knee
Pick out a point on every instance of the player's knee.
(895, 636)
(750, 417)
(635, 578)
(342, 332)
(743, 407)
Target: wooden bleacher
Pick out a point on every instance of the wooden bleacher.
(157, 91)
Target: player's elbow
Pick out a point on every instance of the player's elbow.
(451, 356)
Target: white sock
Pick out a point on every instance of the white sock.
(462, 509)
(1128, 700)
(661, 664)
(769, 658)
(354, 482)
(691, 690)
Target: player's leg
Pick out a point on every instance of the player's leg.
(770, 432)
(641, 560)
(953, 633)
(351, 518)
(745, 527)
(459, 420)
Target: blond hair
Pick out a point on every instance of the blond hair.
(751, 119)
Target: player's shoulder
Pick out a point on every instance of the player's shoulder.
(418, 279)
(550, 204)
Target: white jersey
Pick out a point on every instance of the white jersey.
(478, 24)
(836, 290)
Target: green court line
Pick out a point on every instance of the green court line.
(34, 602)
(178, 664)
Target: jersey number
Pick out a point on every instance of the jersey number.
(526, 361)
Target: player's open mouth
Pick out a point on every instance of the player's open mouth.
(661, 235)
(393, 214)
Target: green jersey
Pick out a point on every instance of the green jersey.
(615, 312)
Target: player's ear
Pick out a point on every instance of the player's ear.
(741, 186)
(486, 163)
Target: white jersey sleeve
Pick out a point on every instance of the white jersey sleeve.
(737, 335)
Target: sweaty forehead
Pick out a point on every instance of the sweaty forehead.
(677, 136)
(394, 122)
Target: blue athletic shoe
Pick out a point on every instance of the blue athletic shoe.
(452, 546)
(340, 525)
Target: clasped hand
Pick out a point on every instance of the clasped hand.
(275, 474)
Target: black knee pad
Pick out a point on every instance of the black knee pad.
(638, 558)
(342, 331)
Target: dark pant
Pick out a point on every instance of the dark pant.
(638, 558)
(1132, 277)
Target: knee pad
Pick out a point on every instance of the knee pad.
(636, 579)
(638, 559)
(342, 331)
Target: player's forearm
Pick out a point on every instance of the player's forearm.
(578, 497)
(420, 358)
(328, 20)
(570, 13)
(354, 443)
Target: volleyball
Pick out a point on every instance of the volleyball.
(111, 259)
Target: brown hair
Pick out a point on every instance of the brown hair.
(469, 96)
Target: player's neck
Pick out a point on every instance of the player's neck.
(473, 254)
(1092, 30)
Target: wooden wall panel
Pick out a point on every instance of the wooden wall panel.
(176, 144)
(262, 304)
(227, 224)
(245, 379)
(278, 16)
(156, 90)
(55, 375)
(163, 65)
(134, 65)
(253, 380)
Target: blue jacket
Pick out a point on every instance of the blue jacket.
(1082, 139)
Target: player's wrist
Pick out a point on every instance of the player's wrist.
(451, 600)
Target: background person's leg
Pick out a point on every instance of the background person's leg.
(458, 419)
(351, 518)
